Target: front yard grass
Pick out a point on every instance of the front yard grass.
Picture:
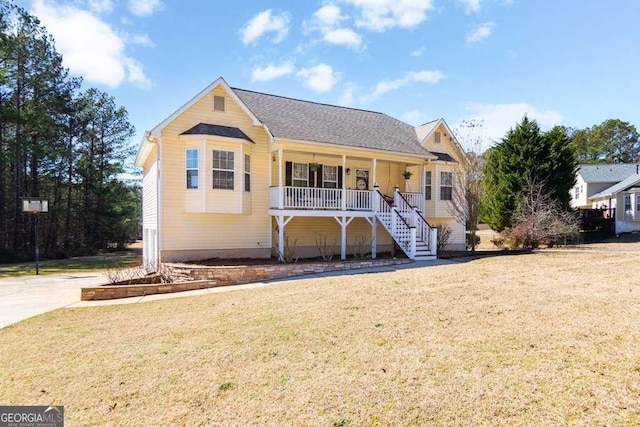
(537, 339)
(104, 261)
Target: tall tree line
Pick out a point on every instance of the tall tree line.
(61, 144)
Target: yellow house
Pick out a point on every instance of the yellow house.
(235, 173)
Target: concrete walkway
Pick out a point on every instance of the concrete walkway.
(24, 297)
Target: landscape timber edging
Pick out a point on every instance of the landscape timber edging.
(191, 277)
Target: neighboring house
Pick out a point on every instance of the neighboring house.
(612, 188)
(235, 173)
(592, 179)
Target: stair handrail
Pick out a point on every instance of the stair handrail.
(423, 225)
(408, 241)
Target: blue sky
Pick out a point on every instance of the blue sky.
(570, 62)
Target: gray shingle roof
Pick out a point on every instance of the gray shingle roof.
(310, 121)
(627, 183)
(606, 172)
(217, 130)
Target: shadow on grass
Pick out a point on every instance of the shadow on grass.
(466, 256)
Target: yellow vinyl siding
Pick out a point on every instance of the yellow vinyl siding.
(186, 231)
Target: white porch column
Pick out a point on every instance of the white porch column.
(373, 171)
(280, 187)
(281, 222)
(344, 222)
(344, 184)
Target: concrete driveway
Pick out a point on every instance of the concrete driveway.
(24, 297)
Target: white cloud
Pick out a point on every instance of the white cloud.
(471, 6)
(380, 15)
(266, 22)
(348, 97)
(480, 33)
(327, 21)
(135, 74)
(271, 72)
(143, 40)
(329, 15)
(417, 52)
(145, 7)
(320, 78)
(413, 117)
(89, 46)
(424, 76)
(101, 6)
(499, 118)
(344, 36)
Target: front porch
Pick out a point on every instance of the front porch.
(399, 214)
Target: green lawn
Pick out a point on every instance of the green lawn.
(128, 258)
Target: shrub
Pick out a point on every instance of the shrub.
(444, 236)
(470, 240)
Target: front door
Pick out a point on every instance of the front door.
(362, 179)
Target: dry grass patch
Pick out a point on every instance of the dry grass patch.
(547, 338)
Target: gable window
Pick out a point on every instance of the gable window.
(191, 165)
(436, 137)
(223, 169)
(247, 172)
(446, 185)
(427, 185)
(300, 175)
(330, 177)
(218, 103)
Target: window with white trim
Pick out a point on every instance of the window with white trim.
(446, 185)
(330, 176)
(223, 170)
(637, 196)
(191, 166)
(627, 202)
(576, 194)
(300, 175)
(247, 172)
(427, 185)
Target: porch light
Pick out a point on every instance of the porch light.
(273, 157)
(348, 171)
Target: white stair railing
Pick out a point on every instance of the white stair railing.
(395, 223)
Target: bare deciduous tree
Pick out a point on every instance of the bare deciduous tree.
(467, 187)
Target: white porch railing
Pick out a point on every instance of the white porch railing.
(288, 197)
(415, 200)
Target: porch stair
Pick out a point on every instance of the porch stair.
(406, 226)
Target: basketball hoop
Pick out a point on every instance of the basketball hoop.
(34, 206)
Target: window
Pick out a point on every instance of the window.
(637, 196)
(446, 185)
(192, 168)
(247, 172)
(223, 170)
(627, 202)
(330, 176)
(218, 103)
(576, 194)
(300, 175)
(436, 137)
(427, 185)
